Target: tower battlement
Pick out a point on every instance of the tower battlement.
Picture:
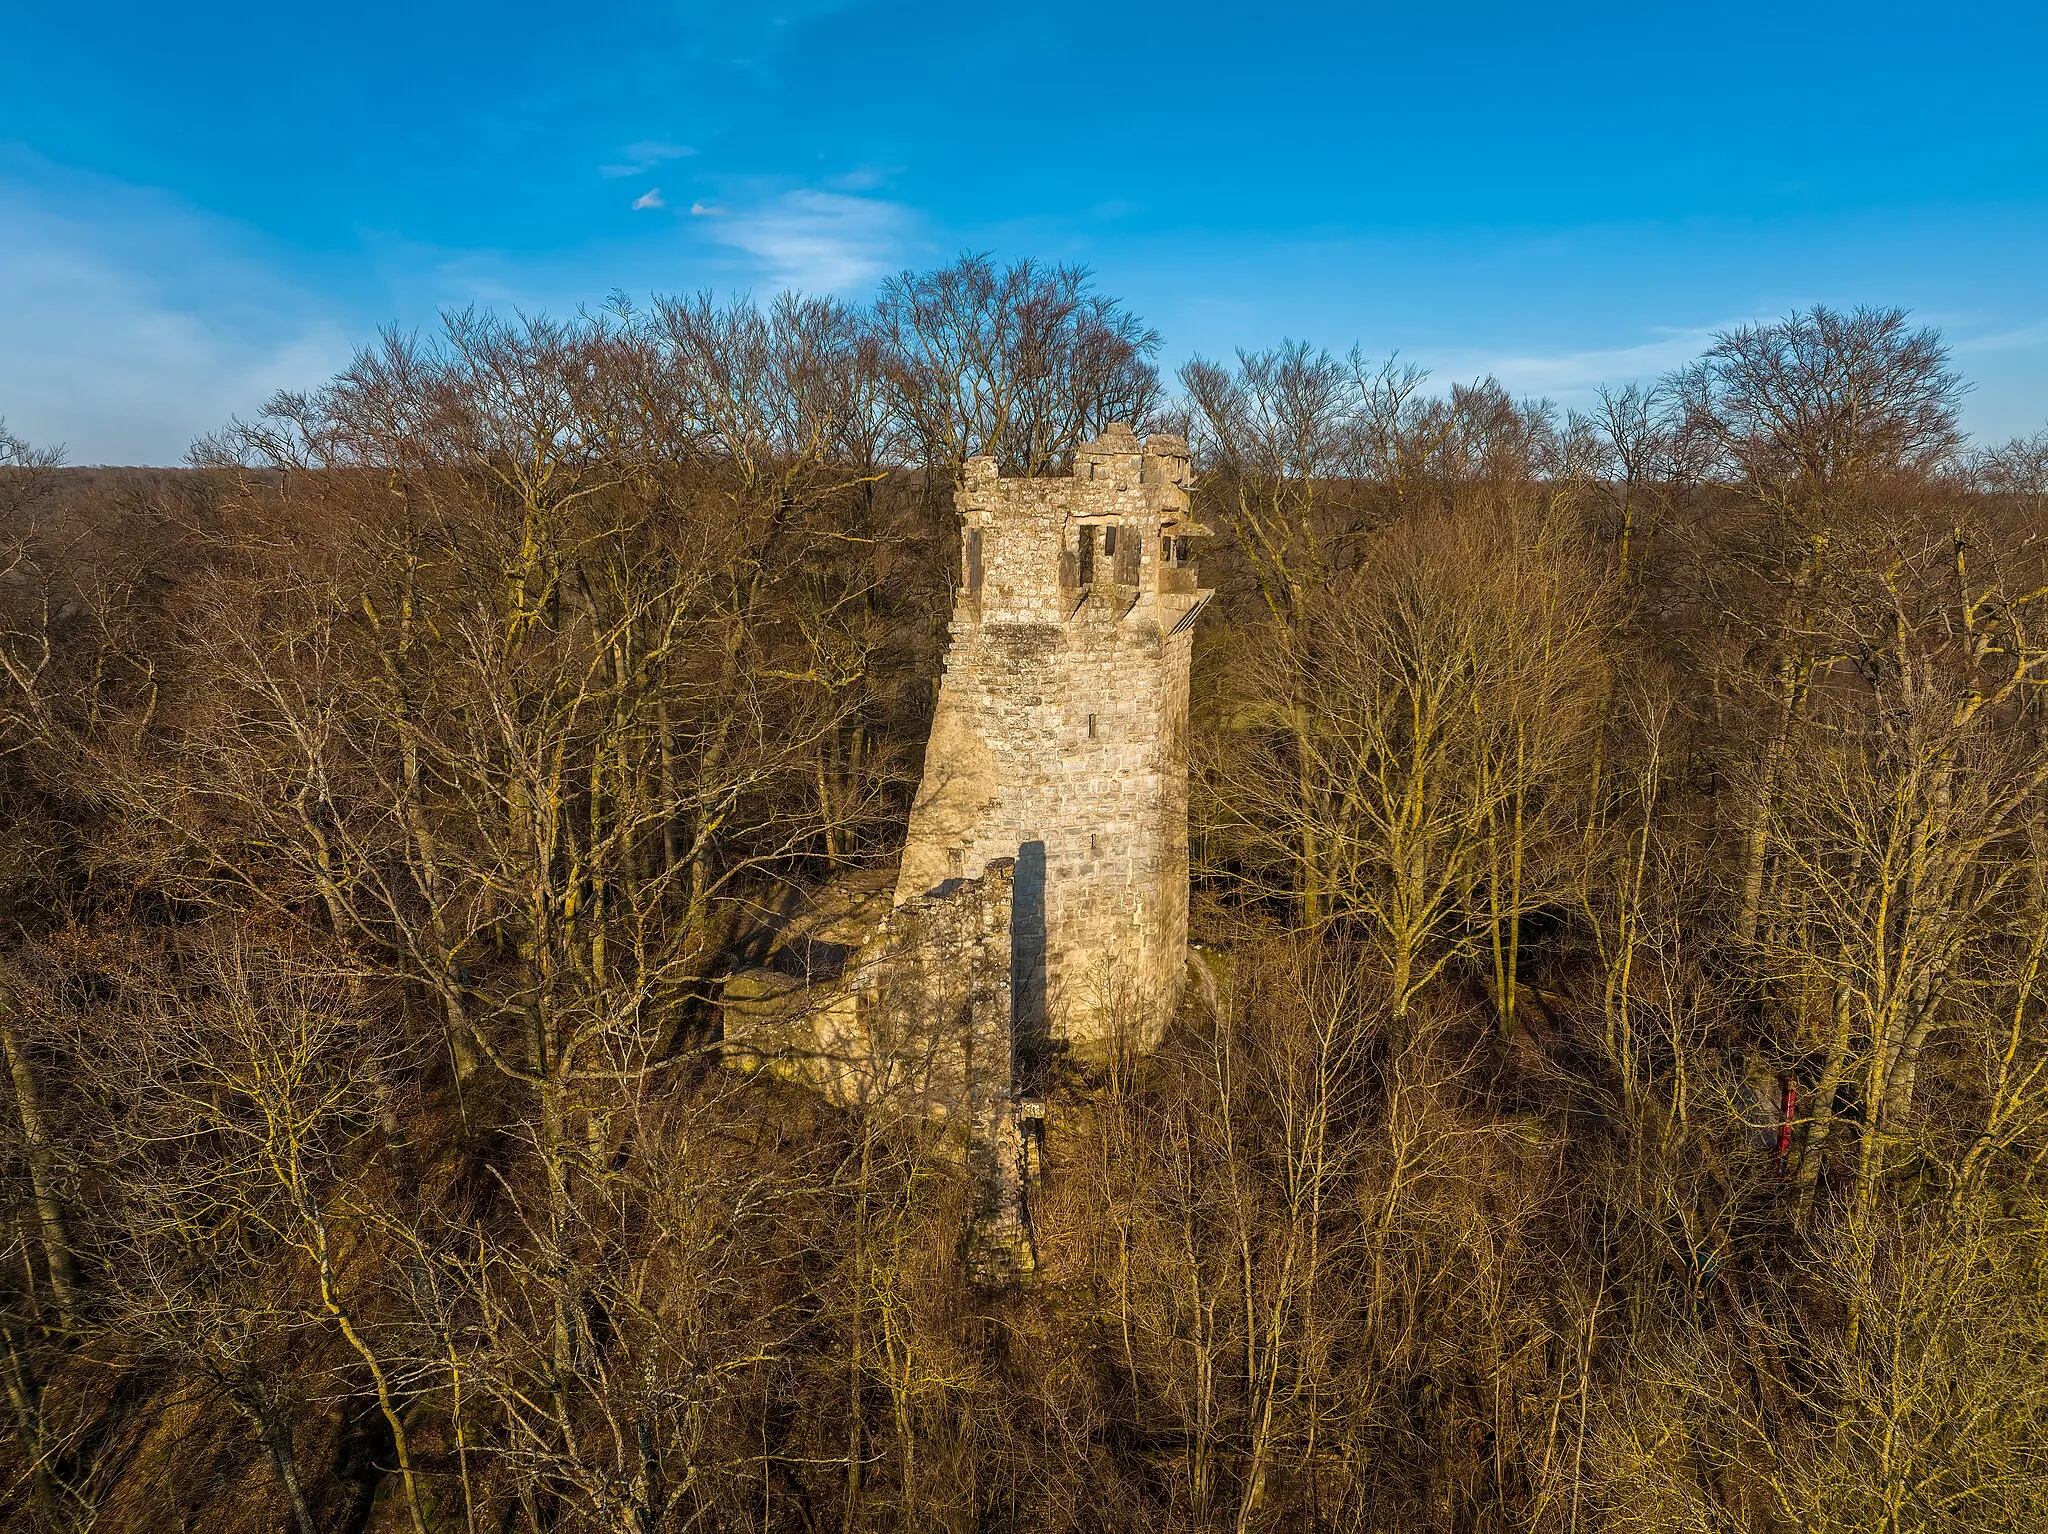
(1114, 531)
(1060, 737)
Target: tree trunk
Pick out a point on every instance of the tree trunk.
(56, 1238)
(276, 1434)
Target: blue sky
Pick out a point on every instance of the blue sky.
(202, 203)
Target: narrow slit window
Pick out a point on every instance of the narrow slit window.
(1109, 540)
(1088, 556)
(974, 561)
(1091, 726)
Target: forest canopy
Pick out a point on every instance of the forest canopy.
(1615, 1097)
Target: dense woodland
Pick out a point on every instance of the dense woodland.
(1616, 1098)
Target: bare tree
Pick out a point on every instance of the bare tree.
(1815, 421)
(1639, 448)
(1445, 706)
(1022, 362)
(25, 471)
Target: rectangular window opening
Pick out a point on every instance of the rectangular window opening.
(974, 560)
(1088, 556)
(1109, 540)
(1091, 726)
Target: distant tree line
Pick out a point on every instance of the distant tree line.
(1613, 1095)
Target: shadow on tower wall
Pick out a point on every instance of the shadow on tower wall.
(1033, 1033)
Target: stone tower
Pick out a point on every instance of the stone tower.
(1060, 739)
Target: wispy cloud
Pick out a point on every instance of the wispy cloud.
(818, 241)
(863, 178)
(2012, 339)
(1571, 375)
(648, 199)
(749, 36)
(130, 323)
(640, 158)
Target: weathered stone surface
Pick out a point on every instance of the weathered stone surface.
(1062, 722)
(1042, 900)
(922, 1023)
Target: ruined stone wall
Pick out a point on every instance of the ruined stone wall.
(1060, 734)
(1043, 893)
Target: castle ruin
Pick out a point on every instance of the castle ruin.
(1041, 904)
(1060, 738)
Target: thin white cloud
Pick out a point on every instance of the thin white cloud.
(863, 178)
(820, 242)
(651, 151)
(648, 199)
(643, 157)
(750, 36)
(130, 323)
(2016, 338)
(1571, 375)
(2002, 365)
(706, 210)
